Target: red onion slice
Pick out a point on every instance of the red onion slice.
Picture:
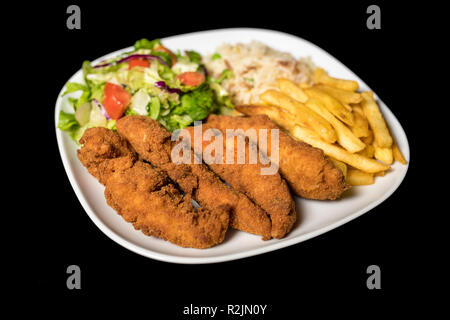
(102, 108)
(163, 85)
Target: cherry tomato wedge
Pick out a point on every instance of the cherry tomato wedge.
(164, 49)
(138, 63)
(115, 100)
(191, 78)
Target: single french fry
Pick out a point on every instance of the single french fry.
(282, 118)
(361, 126)
(383, 154)
(340, 165)
(345, 136)
(380, 174)
(398, 155)
(303, 85)
(344, 96)
(348, 107)
(368, 151)
(291, 89)
(360, 162)
(321, 76)
(369, 139)
(357, 177)
(377, 123)
(333, 105)
(302, 114)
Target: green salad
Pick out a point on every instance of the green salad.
(150, 80)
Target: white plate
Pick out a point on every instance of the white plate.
(315, 217)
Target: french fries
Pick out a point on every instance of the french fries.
(357, 177)
(331, 150)
(348, 107)
(321, 76)
(347, 126)
(383, 154)
(344, 96)
(379, 174)
(369, 139)
(302, 114)
(333, 105)
(377, 124)
(360, 126)
(398, 156)
(279, 116)
(291, 89)
(345, 136)
(368, 151)
(304, 85)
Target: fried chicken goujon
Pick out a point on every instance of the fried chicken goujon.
(144, 196)
(153, 144)
(306, 169)
(269, 191)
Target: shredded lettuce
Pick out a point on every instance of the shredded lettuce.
(155, 108)
(73, 87)
(140, 101)
(226, 74)
(184, 66)
(176, 121)
(163, 55)
(194, 56)
(146, 44)
(131, 112)
(197, 104)
(97, 91)
(167, 74)
(67, 121)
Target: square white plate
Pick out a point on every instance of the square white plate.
(315, 217)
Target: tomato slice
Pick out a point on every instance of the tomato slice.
(138, 63)
(191, 78)
(115, 100)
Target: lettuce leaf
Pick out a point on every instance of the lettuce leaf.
(73, 87)
(197, 104)
(194, 56)
(163, 55)
(146, 44)
(226, 74)
(67, 121)
(176, 121)
(155, 107)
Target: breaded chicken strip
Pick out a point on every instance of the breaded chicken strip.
(306, 169)
(269, 191)
(153, 144)
(144, 196)
(104, 151)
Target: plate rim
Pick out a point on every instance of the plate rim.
(281, 243)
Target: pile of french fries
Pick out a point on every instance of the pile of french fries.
(333, 116)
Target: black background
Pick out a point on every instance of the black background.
(324, 274)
